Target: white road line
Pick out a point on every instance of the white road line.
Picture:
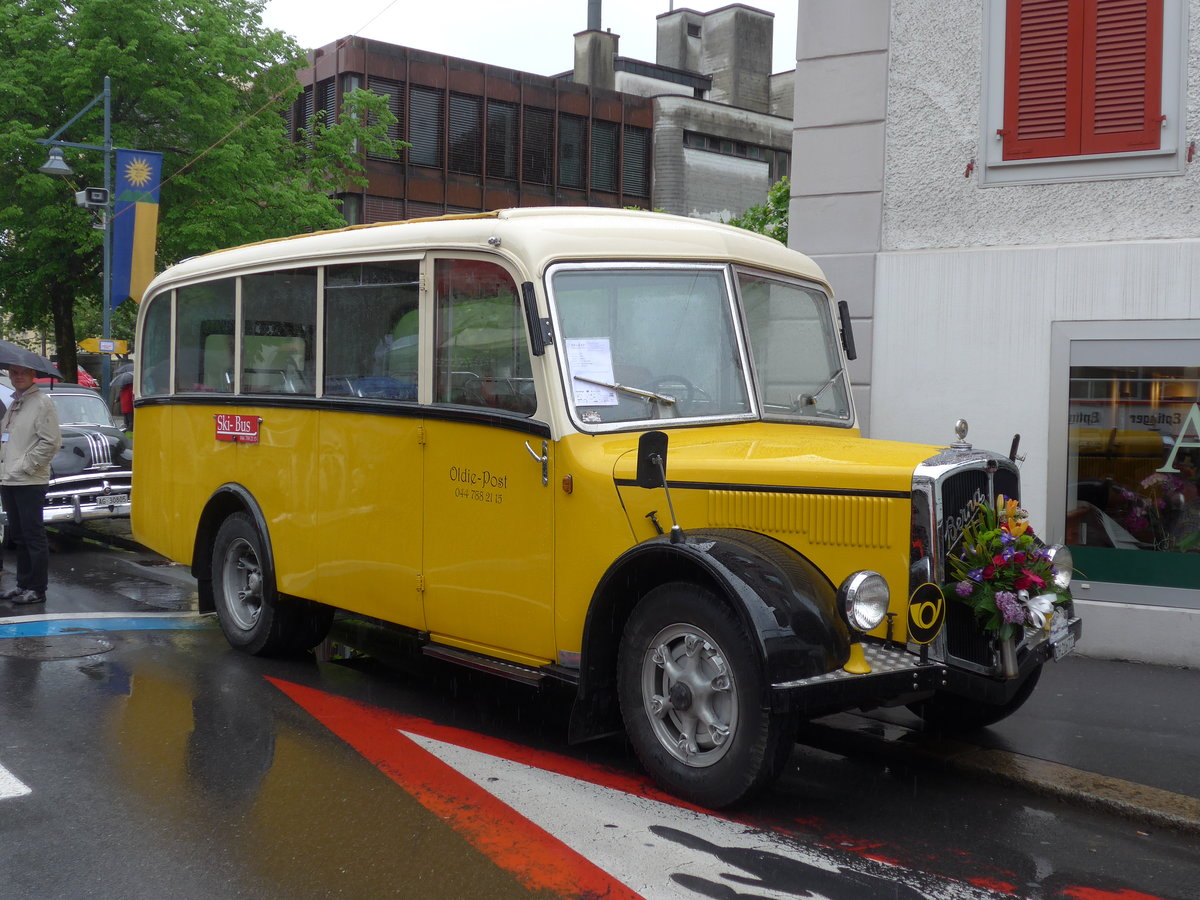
(64, 617)
(11, 786)
(667, 853)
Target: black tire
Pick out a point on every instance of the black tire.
(253, 616)
(716, 693)
(951, 714)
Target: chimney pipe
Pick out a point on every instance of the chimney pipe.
(593, 15)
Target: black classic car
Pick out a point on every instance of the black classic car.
(91, 474)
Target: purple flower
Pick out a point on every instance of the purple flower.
(1010, 607)
(1006, 538)
(976, 575)
(963, 589)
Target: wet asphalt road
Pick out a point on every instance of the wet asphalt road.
(157, 762)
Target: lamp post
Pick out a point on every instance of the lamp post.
(56, 165)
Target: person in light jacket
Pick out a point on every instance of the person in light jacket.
(29, 438)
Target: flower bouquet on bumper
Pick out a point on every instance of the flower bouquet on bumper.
(1005, 573)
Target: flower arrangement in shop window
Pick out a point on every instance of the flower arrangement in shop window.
(1004, 572)
(1166, 514)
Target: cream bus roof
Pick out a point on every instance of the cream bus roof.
(538, 236)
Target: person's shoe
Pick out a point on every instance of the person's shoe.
(11, 593)
(27, 597)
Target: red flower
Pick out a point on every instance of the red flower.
(989, 572)
(998, 560)
(1019, 559)
(1027, 580)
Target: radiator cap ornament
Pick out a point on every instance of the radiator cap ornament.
(960, 429)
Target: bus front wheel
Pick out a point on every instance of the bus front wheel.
(691, 692)
(253, 617)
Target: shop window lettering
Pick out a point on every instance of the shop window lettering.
(1191, 425)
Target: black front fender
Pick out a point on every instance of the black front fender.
(788, 607)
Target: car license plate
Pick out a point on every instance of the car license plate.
(112, 500)
(1063, 646)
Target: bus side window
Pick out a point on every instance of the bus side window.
(481, 357)
(154, 357)
(279, 311)
(371, 333)
(204, 337)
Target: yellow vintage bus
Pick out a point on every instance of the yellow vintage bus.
(608, 448)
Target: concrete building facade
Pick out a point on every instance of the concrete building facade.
(704, 131)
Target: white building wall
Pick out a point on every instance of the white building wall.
(959, 279)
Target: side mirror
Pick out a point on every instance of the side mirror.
(847, 330)
(652, 460)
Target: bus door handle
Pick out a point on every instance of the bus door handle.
(544, 459)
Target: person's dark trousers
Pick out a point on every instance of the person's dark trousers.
(23, 505)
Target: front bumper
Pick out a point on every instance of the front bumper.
(898, 676)
(77, 498)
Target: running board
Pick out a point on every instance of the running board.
(503, 668)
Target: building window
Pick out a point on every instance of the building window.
(604, 156)
(464, 133)
(635, 162)
(537, 155)
(501, 139)
(394, 92)
(571, 131)
(1077, 90)
(327, 101)
(1082, 77)
(425, 126)
(778, 161)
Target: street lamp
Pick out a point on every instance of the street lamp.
(56, 165)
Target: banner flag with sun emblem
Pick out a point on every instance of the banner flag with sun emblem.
(135, 223)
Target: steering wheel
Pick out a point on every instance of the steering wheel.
(684, 392)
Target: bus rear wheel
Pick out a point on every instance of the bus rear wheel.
(253, 616)
(692, 693)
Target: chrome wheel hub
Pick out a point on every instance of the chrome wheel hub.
(688, 691)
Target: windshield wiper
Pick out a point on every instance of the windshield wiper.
(664, 399)
(803, 400)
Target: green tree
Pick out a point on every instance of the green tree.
(201, 81)
(770, 218)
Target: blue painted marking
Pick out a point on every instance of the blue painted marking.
(83, 626)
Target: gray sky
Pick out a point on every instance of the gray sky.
(529, 35)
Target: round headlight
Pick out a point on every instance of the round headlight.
(864, 598)
(1060, 558)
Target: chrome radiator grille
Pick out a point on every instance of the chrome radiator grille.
(964, 635)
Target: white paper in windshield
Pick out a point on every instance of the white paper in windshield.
(591, 358)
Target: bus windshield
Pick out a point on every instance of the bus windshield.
(663, 342)
(649, 343)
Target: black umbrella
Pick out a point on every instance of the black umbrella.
(13, 355)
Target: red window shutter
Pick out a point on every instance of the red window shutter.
(1122, 80)
(1042, 78)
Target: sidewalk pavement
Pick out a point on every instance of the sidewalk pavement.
(1115, 735)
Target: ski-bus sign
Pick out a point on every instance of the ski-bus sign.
(241, 429)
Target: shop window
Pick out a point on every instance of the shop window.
(1133, 489)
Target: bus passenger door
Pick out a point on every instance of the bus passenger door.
(369, 509)
(487, 573)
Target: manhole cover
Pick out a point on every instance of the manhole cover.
(59, 646)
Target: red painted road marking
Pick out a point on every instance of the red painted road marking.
(494, 792)
(538, 859)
